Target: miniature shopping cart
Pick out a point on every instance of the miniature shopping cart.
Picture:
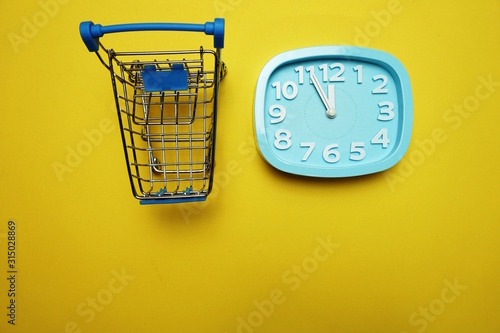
(167, 110)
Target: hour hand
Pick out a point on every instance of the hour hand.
(328, 102)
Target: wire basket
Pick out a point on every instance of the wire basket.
(167, 111)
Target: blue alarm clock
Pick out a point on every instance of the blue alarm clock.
(333, 111)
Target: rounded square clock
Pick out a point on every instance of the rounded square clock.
(333, 111)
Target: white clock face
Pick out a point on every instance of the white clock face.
(332, 115)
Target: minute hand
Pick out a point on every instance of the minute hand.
(330, 109)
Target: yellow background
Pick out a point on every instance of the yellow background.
(416, 247)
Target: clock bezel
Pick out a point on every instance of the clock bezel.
(352, 53)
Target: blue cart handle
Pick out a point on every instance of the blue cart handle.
(91, 32)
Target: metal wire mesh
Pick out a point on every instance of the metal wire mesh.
(168, 136)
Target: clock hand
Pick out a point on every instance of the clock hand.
(331, 113)
(328, 102)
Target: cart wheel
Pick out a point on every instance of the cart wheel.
(223, 71)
